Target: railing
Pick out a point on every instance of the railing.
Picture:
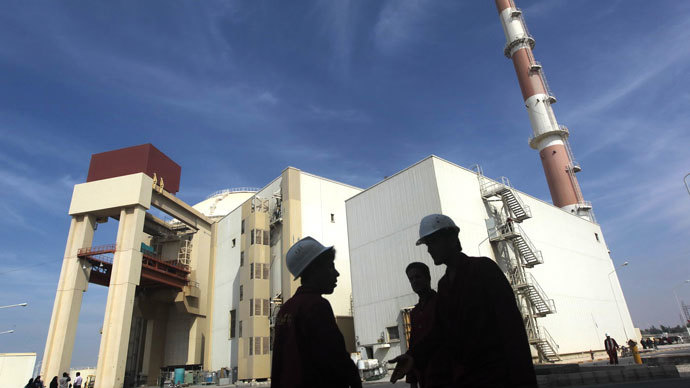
(99, 250)
(549, 339)
(529, 279)
(513, 228)
(549, 92)
(576, 186)
(234, 190)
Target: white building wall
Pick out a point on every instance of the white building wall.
(225, 291)
(383, 226)
(321, 198)
(16, 369)
(575, 274)
(223, 203)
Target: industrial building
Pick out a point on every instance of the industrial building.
(557, 262)
(197, 288)
(197, 291)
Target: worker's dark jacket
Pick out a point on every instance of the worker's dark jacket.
(422, 319)
(479, 329)
(309, 350)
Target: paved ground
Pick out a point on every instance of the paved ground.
(670, 383)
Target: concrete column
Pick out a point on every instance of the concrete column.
(73, 283)
(126, 273)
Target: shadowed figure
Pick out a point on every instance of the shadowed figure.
(478, 329)
(611, 347)
(309, 349)
(421, 318)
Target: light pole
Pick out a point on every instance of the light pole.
(683, 324)
(616, 299)
(14, 305)
(7, 332)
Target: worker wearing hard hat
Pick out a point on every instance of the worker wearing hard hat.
(309, 350)
(475, 298)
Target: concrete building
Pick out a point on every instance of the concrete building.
(250, 278)
(557, 262)
(198, 291)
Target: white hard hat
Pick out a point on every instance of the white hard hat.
(432, 224)
(300, 255)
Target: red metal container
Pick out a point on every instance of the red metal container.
(142, 158)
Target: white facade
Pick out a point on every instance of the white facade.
(16, 369)
(323, 217)
(383, 226)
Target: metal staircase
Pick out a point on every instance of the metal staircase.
(518, 210)
(507, 236)
(529, 287)
(524, 249)
(540, 338)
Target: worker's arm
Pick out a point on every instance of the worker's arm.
(327, 344)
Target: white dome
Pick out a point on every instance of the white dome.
(221, 203)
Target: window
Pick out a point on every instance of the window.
(266, 308)
(258, 237)
(265, 271)
(257, 307)
(251, 307)
(257, 345)
(251, 346)
(241, 258)
(258, 270)
(251, 271)
(241, 292)
(393, 334)
(233, 243)
(266, 239)
(332, 217)
(596, 235)
(251, 237)
(232, 324)
(239, 329)
(242, 228)
(266, 344)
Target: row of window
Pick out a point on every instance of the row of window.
(259, 237)
(258, 271)
(256, 348)
(259, 307)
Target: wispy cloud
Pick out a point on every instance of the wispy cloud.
(399, 22)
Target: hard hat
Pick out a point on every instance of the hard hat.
(432, 224)
(300, 255)
(607, 334)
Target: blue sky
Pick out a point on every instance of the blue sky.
(353, 91)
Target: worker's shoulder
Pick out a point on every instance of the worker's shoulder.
(484, 266)
(306, 300)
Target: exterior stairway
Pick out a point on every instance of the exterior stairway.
(526, 251)
(531, 289)
(504, 190)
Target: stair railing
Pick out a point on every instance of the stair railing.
(547, 337)
(506, 182)
(533, 282)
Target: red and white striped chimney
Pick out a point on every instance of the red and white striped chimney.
(550, 138)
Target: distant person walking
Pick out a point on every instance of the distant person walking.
(54, 382)
(37, 382)
(611, 347)
(474, 297)
(309, 350)
(30, 384)
(422, 320)
(77, 381)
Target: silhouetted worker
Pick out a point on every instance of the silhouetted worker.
(421, 319)
(478, 326)
(611, 347)
(309, 350)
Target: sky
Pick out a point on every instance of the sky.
(350, 90)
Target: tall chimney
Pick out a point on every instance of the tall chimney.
(550, 138)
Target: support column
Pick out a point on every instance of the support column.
(73, 282)
(126, 273)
